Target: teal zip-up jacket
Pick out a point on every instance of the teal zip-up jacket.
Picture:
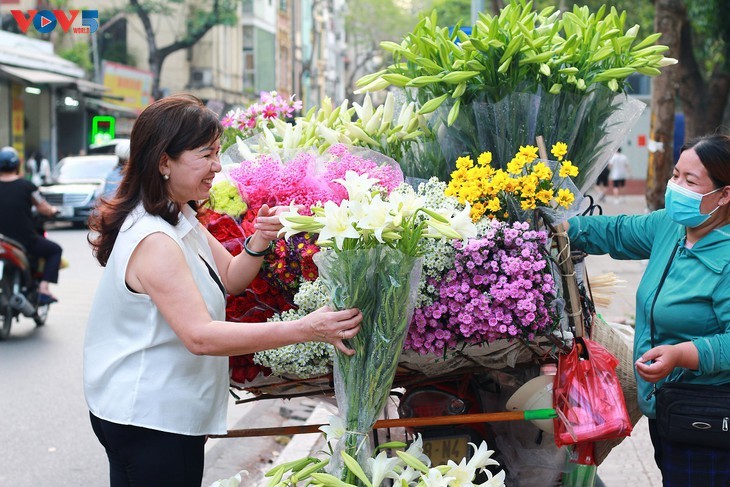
(694, 302)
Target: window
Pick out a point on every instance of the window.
(282, 5)
(247, 6)
(249, 58)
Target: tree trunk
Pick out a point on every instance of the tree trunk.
(668, 20)
(692, 91)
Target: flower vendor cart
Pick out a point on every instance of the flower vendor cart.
(438, 214)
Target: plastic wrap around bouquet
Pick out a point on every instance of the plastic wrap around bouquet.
(593, 124)
(381, 282)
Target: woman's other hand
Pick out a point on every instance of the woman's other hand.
(664, 359)
(267, 222)
(325, 325)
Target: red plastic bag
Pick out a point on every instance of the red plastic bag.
(587, 396)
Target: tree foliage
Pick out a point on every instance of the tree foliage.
(199, 17)
(368, 23)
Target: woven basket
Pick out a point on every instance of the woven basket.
(607, 336)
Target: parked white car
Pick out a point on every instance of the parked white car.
(77, 183)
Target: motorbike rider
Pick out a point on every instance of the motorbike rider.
(17, 197)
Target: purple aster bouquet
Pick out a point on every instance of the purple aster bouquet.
(500, 287)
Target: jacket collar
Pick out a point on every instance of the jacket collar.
(713, 250)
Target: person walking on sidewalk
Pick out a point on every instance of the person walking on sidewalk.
(691, 313)
(156, 347)
(620, 170)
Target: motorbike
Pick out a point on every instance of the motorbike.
(19, 277)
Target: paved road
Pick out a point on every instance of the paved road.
(44, 426)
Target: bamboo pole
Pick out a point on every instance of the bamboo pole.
(400, 423)
(573, 306)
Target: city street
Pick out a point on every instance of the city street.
(44, 423)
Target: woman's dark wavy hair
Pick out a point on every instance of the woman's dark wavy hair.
(714, 153)
(169, 126)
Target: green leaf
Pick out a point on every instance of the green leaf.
(355, 468)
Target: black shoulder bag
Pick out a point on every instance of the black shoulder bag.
(694, 414)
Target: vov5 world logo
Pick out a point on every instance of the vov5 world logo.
(45, 21)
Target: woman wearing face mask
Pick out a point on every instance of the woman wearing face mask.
(690, 240)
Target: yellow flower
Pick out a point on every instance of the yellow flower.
(568, 169)
(464, 162)
(528, 185)
(494, 205)
(544, 196)
(559, 150)
(485, 158)
(542, 172)
(528, 204)
(565, 198)
(529, 152)
(515, 165)
(477, 211)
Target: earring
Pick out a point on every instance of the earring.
(165, 177)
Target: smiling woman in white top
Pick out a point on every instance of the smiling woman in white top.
(156, 347)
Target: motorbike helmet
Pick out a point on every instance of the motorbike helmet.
(9, 160)
(122, 151)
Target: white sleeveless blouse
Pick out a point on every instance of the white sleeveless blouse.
(136, 370)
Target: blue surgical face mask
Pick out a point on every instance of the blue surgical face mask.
(683, 205)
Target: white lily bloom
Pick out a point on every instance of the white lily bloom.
(482, 456)
(374, 122)
(336, 223)
(415, 449)
(243, 149)
(381, 466)
(364, 111)
(358, 186)
(328, 134)
(376, 217)
(406, 201)
(436, 479)
(404, 476)
(463, 224)
(335, 429)
(406, 113)
(234, 481)
(462, 473)
(494, 481)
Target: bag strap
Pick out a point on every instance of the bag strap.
(653, 303)
(659, 288)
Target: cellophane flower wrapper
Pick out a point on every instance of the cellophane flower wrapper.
(552, 214)
(593, 124)
(382, 283)
(588, 398)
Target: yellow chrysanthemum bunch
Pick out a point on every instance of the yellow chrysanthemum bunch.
(527, 181)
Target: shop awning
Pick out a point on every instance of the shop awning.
(36, 77)
(112, 107)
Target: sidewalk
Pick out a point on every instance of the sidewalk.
(630, 463)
